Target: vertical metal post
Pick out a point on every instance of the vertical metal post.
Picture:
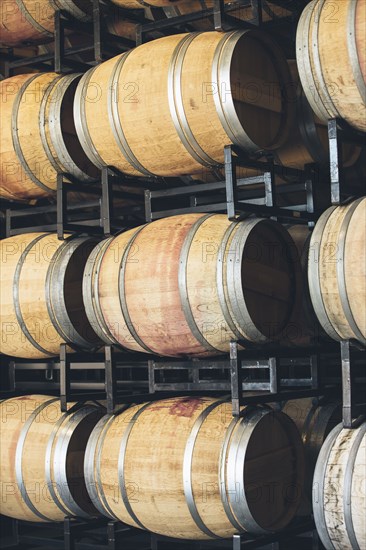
(346, 384)
(335, 159)
(97, 32)
(110, 379)
(154, 542)
(230, 178)
(218, 12)
(236, 542)
(106, 204)
(270, 198)
(61, 207)
(274, 379)
(12, 383)
(148, 213)
(65, 375)
(235, 379)
(257, 12)
(68, 535)
(151, 373)
(112, 535)
(7, 222)
(59, 42)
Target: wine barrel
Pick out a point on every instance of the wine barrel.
(42, 457)
(188, 285)
(37, 135)
(146, 111)
(41, 295)
(331, 45)
(314, 419)
(32, 21)
(336, 271)
(157, 466)
(339, 493)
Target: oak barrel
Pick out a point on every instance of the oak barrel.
(339, 489)
(37, 135)
(337, 271)
(41, 302)
(33, 21)
(185, 468)
(331, 45)
(189, 284)
(42, 456)
(146, 111)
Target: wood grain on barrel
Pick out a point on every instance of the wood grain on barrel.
(141, 103)
(154, 462)
(339, 490)
(32, 454)
(175, 288)
(330, 53)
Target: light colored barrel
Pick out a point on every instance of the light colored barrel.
(37, 136)
(33, 21)
(185, 468)
(169, 106)
(339, 489)
(336, 271)
(188, 285)
(331, 45)
(41, 295)
(42, 457)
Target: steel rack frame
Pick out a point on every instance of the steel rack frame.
(339, 133)
(102, 534)
(237, 196)
(222, 20)
(75, 217)
(121, 378)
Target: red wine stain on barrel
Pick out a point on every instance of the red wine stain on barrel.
(186, 407)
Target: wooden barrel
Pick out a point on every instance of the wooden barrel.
(159, 467)
(146, 111)
(188, 285)
(37, 137)
(331, 45)
(31, 21)
(336, 271)
(308, 141)
(41, 294)
(339, 491)
(42, 457)
(314, 419)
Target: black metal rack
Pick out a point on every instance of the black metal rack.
(101, 534)
(120, 377)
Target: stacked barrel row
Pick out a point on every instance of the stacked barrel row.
(248, 478)
(146, 111)
(186, 286)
